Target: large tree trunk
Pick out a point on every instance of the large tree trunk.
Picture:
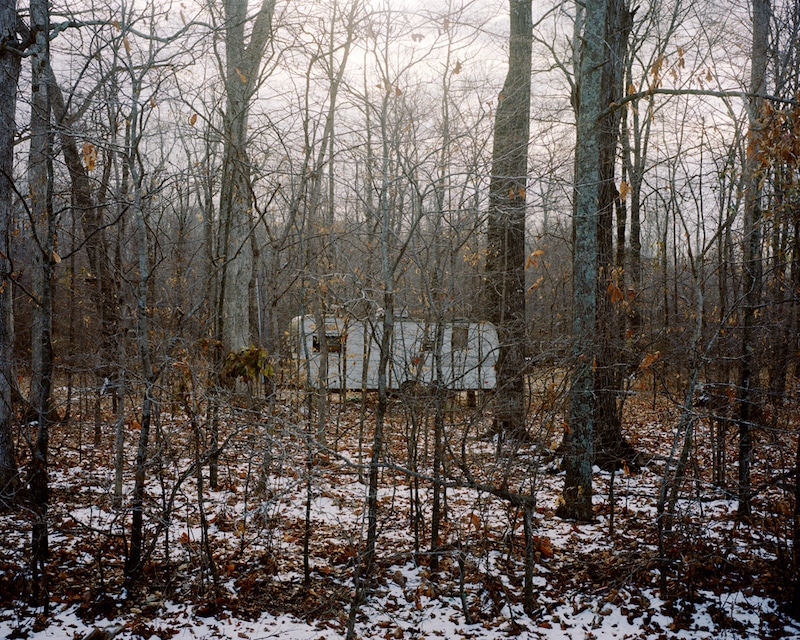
(233, 310)
(748, 373)
(610, 447)
(505, 258)
(242, 64)
(576, 502)
(9, 76)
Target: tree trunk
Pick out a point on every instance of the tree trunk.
(611, 449)
(320, 224)
(748, 373)
(135, 561)
(576, 500)
(9, 76)
(242, 65)
(40, 175)
(40, 184)
(505, 258)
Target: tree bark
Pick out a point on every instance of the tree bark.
(40, 175)
(505, 258)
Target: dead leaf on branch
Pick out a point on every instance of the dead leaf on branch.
(536, 284)
(89, 156)
(615, 293)
(533, 258)
(649, 359)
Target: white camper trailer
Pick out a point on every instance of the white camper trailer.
(460, 355)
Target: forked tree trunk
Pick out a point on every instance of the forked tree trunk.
(364, 568)
(242, 67)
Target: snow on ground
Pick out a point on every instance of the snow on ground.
(581, 619)
(589, 582)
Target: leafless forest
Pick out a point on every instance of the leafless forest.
(614, 187)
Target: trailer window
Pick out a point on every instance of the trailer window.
(460, 339)
(333, 340)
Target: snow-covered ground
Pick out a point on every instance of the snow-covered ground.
(589, 581)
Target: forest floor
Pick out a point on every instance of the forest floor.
(229, 563)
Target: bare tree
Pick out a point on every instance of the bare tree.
(748, 372)
(319, 218)
(140, 67)
(40, 187)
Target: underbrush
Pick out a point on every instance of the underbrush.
(281, 535)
